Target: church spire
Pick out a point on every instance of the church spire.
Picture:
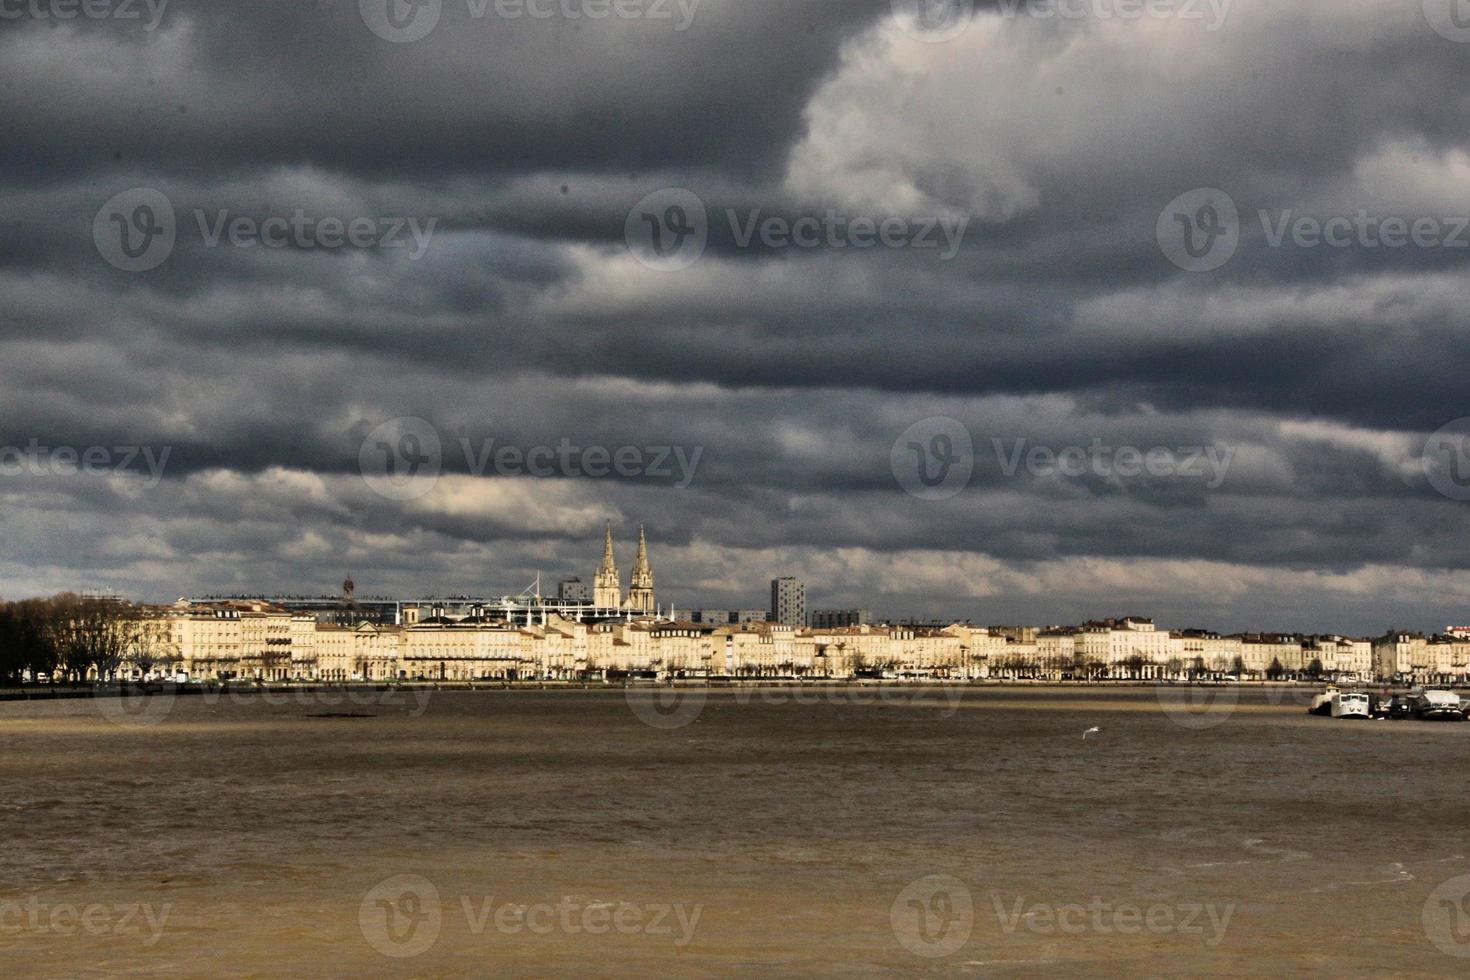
(640, 586)
(607, 587)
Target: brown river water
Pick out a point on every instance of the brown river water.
(543, 833)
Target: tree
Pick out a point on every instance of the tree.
(89, 634)
(22, 646)
(1275, 672)
(150, 641)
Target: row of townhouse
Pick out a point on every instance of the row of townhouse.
(257, 641)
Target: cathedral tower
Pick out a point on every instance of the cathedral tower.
(607, 590)
(640, 586)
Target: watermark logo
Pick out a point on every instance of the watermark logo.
(406, 21)
(135, 230)
(1447, 917)
(668, 230)
(933, 917)
(666, 708)
(135, 706)
(36, 459)
(401, 459)
(1098, 917)
(401, 916)
(1198, 706)
(933, 459)
(88, 9)
(1199, 230)
(933, 21)
(37, 917)
(832, 230)
(1446, 459)
(1449, 18)
(1213, 12)
(1364, 230)
(401, 21)
(1210, 464)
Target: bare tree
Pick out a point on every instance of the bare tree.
(90, 634)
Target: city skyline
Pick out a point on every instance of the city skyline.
(622, 577)
(1263, 431)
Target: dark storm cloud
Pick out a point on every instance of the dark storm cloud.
(520, 147)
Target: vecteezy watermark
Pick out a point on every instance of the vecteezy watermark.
(669, 230)
(1200, 231)
(1446, 459)
(1098, 917)
(933, 21)
(405, 21)
(934, 459)
(36, 459)
(34, 916)
(1449, 18)
(1364, 230)
(403, 916)
(933, 917)
(135, 705)
(403, 458)
(675, 706)
(1207, 463)
(1198, 706)
(136, 230)
(1211, 12)
(137, 10)
(1446, 917)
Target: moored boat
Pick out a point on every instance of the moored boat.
(1430, 705)
(1322, 703)
(1350, 706)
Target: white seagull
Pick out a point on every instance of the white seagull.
(1089, 732)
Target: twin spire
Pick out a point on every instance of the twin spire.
(607, 586)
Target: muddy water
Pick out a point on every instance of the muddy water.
(549, 833)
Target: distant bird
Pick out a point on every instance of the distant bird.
(1089, 732)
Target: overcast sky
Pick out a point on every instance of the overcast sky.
(865, 269)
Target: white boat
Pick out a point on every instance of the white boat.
(1322, 703)
(1438, 706)
(1334, 703)
(1350, 706)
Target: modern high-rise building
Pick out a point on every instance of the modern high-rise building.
(575, 590)
(788, 601)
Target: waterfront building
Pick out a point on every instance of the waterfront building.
(835, 618)
(1402, 656)
(1271, 655)
(1195, 653)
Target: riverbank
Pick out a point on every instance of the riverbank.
(48, 692)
